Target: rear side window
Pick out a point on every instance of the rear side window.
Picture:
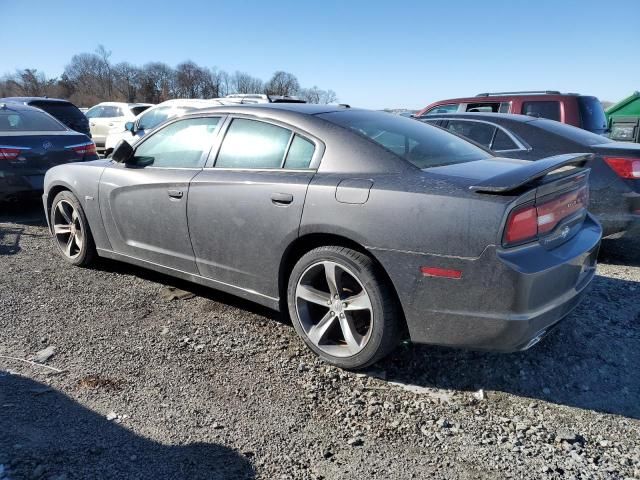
(592, 115)
(449, 108)
(109, 111)
(178, 145)
(28, 121)
(542, 109)
(139, 109)
(300, 153)
(420, 144)
(481, 133)
(253, 144)
(502, 142)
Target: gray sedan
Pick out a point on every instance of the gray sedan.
(364, 227)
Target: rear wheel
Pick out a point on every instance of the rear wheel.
(71, 233)
(342, 308)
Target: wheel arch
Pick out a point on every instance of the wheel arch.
(54, 190)
(308, 242)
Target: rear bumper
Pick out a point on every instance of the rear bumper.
(506, 300)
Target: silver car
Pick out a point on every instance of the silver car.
(364, 227)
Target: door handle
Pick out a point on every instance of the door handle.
(175, 193)
(281, 198)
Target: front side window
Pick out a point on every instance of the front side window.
(542, 109)
(253, 144)
(420, 144)
(481, 133)
(179, 145)
(449, 108)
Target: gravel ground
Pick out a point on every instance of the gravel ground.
(209, 386)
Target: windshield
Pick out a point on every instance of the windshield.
(592, 115)
(421, 144)
(158, 115)
(28, 121)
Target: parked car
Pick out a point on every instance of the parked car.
(615, 167)
(150, 118)
(32, 141)
(107, 116)
(63, 110)
(360, 224)
(624, 119)
(571, 108)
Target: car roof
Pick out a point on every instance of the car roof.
(487, 116)
(33, 99)
(259, 108)
(119, 104)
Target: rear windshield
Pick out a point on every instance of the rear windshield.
(59, 109)
(28, 121)
(570, 132)
(138, 110)
(592, 114)
(421, 144)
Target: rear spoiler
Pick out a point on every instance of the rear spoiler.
(535, 170)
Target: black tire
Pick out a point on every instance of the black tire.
(85, 254)
(386, 320)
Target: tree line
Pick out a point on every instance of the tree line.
(91, 78)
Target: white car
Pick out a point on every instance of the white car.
(136, 128)
(111, 115)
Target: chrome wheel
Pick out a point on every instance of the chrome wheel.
(67, 228)
(334, 309)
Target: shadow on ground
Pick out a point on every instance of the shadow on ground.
(590, 361)
(41, 428)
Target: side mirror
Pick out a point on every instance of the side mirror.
(123, 152)
(130, 126)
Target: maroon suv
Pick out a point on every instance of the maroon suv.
(578, 110)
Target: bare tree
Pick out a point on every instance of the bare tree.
(282, 83)
(317, 95)
(157, 82)
(242, 82)
(28, 82)
(126, 81)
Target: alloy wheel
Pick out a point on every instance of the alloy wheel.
(67, 228)
(334, 309)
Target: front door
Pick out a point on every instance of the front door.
(144, 202)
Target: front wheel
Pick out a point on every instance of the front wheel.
(342, 307)
(71, 233)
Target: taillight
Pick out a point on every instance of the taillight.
(624, 167)
(530, 222)
(10, 153)
(83, 149)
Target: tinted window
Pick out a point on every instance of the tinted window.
(28, 121)
(300, 153)
(502, 142)
(422, 145)
(484, 107)
(179, 145)
(481, 133)
(64, 110)
(546, 109)
(253, 144)
(451, 107)
(575, 134)
(138, 110)
(592, 114)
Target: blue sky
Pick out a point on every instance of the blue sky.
(372, 53)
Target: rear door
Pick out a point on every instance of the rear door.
(144, 203)
(245, 208)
